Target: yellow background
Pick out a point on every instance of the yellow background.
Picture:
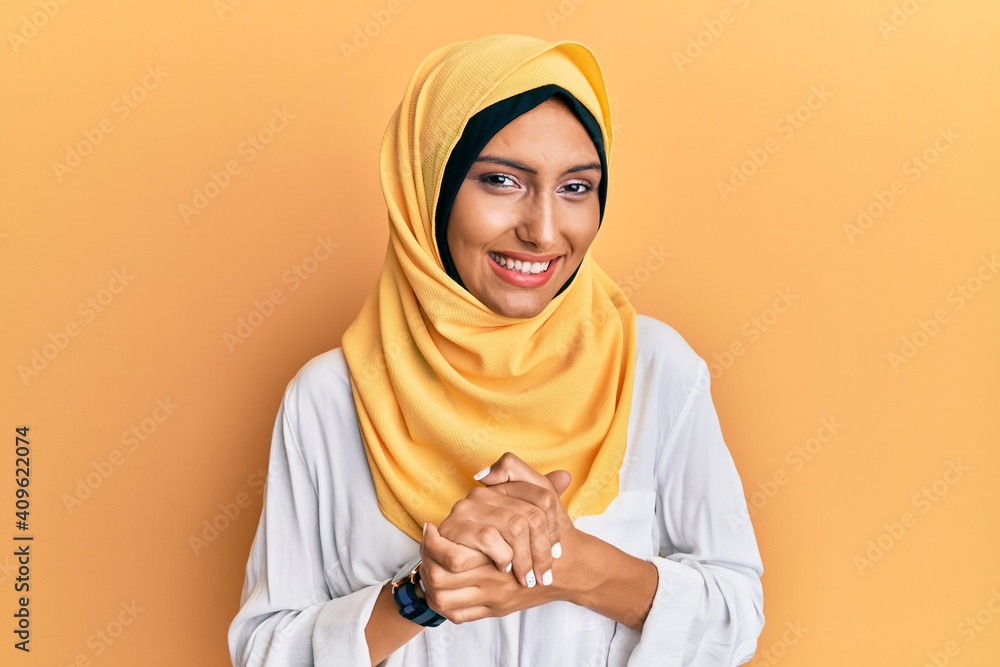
(698, 88)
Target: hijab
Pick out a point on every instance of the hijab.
(442, 385)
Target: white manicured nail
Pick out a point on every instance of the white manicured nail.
(530, 579)
(482, 473)
(547, 578)
(510, 565)
(556, 550)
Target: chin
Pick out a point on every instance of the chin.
(521, 310)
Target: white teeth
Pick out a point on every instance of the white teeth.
(526, 268)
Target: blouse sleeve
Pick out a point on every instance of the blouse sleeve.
(288, 615)
(708, 606)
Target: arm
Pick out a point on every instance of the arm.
(288, 614)
(387, 630)
(708, 605)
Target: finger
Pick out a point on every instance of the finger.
(533, 494)
(462, 604)
(510, 468)
(484, 592)
(522, 525)
(452, 557)
(480, 537)
(560, 480)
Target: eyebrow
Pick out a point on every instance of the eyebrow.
(517, 165)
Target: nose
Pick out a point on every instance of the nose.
(539, 225)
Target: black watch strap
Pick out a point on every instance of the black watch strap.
(414, 607)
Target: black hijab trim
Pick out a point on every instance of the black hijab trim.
(478, 132)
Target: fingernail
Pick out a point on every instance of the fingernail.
(556, 550)
(510, 565)
(547, 578)
(482, 473)
(530, 579)
(425, 528)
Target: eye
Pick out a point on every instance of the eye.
(584, 188)
(486, 179)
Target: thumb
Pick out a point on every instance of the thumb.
(560, 480)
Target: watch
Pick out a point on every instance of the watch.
(411, 605)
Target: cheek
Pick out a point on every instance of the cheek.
(583, 229)
(477, 222)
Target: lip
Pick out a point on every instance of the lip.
(521, 279)
(527, 258)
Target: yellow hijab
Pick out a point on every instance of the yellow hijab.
(443, 386)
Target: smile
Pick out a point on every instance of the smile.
(528, 268)
(522, 273)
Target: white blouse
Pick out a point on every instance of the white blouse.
(323, 549)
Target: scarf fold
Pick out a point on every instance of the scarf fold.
(443, 386)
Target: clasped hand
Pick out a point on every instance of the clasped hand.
(500, 549)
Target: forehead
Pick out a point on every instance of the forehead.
(551, 124)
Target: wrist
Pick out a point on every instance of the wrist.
(578, 572)
(614, 583)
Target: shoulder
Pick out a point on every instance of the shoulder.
(662, 350)
(320, 391)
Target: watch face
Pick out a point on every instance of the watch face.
(406, 569)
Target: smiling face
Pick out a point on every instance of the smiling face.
(527, 211)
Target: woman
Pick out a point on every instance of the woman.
(503, 464)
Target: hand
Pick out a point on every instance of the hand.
(515, 521)
(472, 592)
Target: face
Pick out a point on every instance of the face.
(527, 211)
